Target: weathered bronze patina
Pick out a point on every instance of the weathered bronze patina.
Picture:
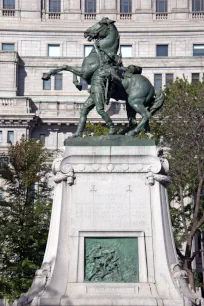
(111, 260)
(102, 70)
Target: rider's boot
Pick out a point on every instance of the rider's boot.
(80, 127)
(77, 134)
(79, 131)
(112, 129)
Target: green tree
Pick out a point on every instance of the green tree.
(182, 129)
(24, 215)
(96, 129)
(179, 126)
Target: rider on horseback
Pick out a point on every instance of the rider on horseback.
(100, 92)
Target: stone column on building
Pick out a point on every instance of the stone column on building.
(142, 10)
(108, 8)
(43, 16)
(72, 9)
(30, 9)
(179, 9)
(8, 64)
(1, 8)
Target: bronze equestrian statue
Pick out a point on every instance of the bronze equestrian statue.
(101, 70)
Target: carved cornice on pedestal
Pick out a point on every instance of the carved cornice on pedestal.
(67, 174)
(162, 176)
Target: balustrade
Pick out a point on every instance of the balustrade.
(125, 16)
(161, 16)
(8, 13)
(54, 15)
(7, 102)
(197, 15)
(90, 16)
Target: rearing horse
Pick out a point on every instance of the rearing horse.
(107, 38)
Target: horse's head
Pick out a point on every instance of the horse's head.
(99, 30)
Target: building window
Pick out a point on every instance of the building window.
(126, 51)
(9, 4)
(195, 78)
(162, 50)
(90, 6)
(161, 6)
(84, 84)
(7, 47)
(55, 6)
(169, 79)
(198, 5)
(0, 137)
(42, 139)
(10, 137)
(53, 50)
(158, 80)
(46, 84)
(198, 50)
(87, 50)
(58, 81)
(125, 6)
(1, 194)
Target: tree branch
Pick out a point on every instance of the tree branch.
(196, 226)
(197, 206)
(180, 254)
(196, 253)
(182, 211)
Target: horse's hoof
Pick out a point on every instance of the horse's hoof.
(112, 131)
(77, 135)
(131, 133)
(46, 77)
(79, 87)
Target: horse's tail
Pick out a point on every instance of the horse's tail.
(158, 101)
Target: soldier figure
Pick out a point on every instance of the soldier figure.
(99, 92)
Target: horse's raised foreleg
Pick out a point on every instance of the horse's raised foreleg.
(76, 71)
(138, 106)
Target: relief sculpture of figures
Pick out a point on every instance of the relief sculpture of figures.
(101, 69)
(111, 260)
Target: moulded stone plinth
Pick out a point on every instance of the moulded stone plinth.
(110, 240)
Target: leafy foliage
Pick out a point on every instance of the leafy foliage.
(96, 129)
(179, 126)
(182, 129)
(24, 215)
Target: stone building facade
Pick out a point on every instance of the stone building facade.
(165, 37)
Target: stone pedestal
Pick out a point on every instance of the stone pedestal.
(110, 239)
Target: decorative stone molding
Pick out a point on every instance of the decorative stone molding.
(163, 159)
(162, 179)
(161, 176)
(180, 276)
(67, 174)
(113, 167)
(38, 286)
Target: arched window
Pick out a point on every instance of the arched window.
(197, 5)
(161, 6)
(125, 6)
(90, 6)
(55, 6)
(9, 4)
